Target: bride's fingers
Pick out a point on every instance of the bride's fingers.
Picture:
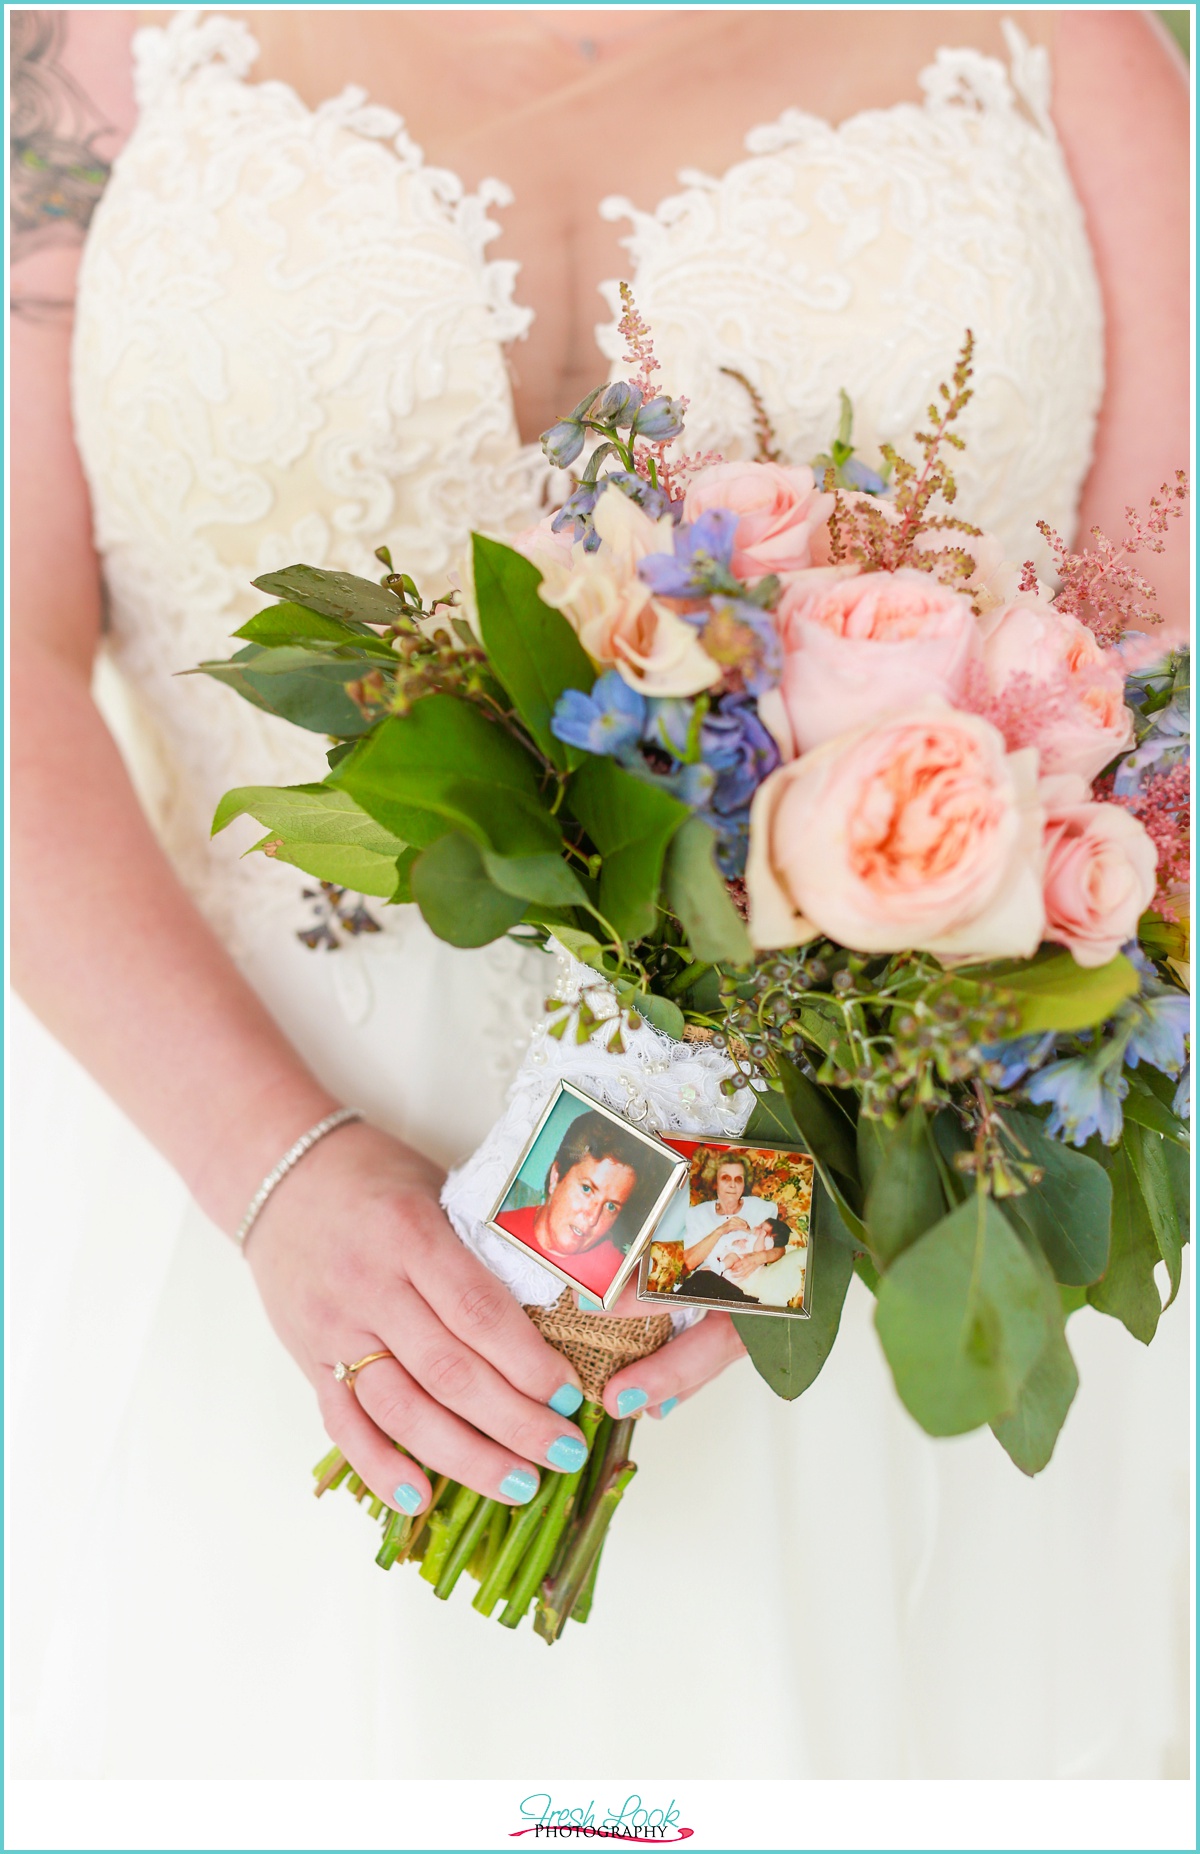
(464, 1382)
(480, 1310)
(397, 1406)
(391, 1476)
(678, 1368)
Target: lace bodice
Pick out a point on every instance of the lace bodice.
(289, 346)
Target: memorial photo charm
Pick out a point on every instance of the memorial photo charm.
(738, 1235)
(587, 1194)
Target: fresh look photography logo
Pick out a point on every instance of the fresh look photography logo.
(636, 1819)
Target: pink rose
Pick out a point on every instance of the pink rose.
(1066, 694)
(921, 831)
(856, 648)
(1100, 873)
(781, 513)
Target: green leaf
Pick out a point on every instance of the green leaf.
(1069, 1213)
(1127, 1289)
(546, 879)
(1179, 1172)
(1143, 1105)
(333, 595)
(661, 1012)
(1051, 992)
(308, 813)
(696, 891)
(301, 685)
(1029, 1433)
(295, 624)
(444, 766)
(961, 1320)
(824, 1129)
(586, 948)
(789, 1352)
(904, 1197)
(631, 823)
(531, 647)
(1147, 1155)
(348, 865)
(452, 890)
(771, 1122)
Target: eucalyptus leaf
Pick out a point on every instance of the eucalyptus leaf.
(1143, 1106)
(1127, 1289)
(347, 864)
(825, 1129)
(450, 886)
(771, 1122)
(544, 878)
(786, 1351)
(1147, 1155)
(904, 1197)
(1069, 1213)
(531, 647)
(444, 766)
(696, 891)
(1031, 1429)
(309, 814)
(631, 823)
(300, 684)
(1051, 992)
(661, 1012)
(287, 623)
(961, 1320)
(333, 595)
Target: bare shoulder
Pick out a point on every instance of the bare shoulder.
(72, 109)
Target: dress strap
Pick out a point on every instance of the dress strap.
(961, 77)
(163, 56)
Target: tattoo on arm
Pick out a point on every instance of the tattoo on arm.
(57, 171)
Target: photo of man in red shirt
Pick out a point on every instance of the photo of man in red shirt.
(578, 1227)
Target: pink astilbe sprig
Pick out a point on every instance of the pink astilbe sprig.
(1023, 709)
(1161, 807)
(651, 461)
(1102, 588)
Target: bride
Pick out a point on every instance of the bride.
(259, 318)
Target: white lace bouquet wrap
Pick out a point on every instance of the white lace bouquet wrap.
(663, 1086)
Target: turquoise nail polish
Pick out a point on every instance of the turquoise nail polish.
(519, 1486)
(406, 1497)
(588, 1305)
(566, 1400)
(664, 1409)
(568, 1453)
(631, 1400)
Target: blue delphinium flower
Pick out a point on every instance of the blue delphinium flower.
(576, 514)
(1086, 1095)
(860, 476)
(734, 742)
(618, 404)
(609, 720)
(1016, 1056)
(700, 562)
(1159, 1025)
(563, 442)
(658, 419)
(649, 497)
(743, 640)
(1182, 1104)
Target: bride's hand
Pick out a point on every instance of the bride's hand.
(677, 1370)
(353, 1255)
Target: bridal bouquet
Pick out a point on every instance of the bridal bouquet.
(804, 776)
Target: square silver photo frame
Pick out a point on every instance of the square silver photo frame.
(719, 1304)
(675, 1180)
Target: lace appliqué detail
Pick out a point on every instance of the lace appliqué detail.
(288, 347)
(658, 1084)
(856, 256)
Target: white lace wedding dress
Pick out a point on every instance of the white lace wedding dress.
(289, 347)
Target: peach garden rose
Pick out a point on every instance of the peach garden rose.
(781, 514)
(863, 645)
(920, 831)
(1073, 691)
(1100, 872)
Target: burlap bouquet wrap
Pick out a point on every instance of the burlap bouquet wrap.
(596, 1345)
